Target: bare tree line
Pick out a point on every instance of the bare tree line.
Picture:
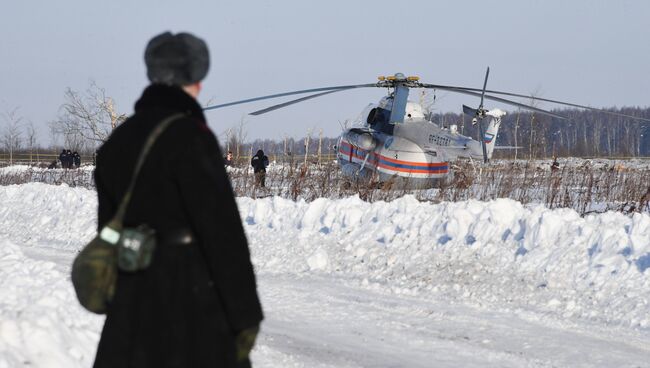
(586, 134)
(87, 118)
(17, 136)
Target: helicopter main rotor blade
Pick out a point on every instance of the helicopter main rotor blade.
(335, 88)
(288, 103)
(443, 87)
(499, 99)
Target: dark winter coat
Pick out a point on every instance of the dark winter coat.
(63, 157)
(76, 159)
(259, 162)
(186, 308)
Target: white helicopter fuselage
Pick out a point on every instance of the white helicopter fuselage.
(415, 152)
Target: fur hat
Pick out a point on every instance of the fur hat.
(176, 59)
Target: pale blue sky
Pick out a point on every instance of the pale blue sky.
(588, 52)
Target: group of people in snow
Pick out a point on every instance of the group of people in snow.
(69, 160)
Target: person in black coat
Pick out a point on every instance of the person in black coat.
(259, 163)
(63, 157)
(76, 159)
(197, 304)
(68, 159)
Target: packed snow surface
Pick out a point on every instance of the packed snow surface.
(345, 283)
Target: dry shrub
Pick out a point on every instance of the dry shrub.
(73, 177)
(584, 187)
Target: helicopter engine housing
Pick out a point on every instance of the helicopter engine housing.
(363, 140)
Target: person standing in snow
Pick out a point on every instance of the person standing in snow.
(68, 159)
(76, 159)
(196, 305)
(555, 166)
(63, 159)
(259, 163)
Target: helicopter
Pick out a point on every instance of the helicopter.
(395, 143)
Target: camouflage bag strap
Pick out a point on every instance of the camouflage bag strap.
(116, 222)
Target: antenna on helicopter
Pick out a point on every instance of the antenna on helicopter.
(478, 115)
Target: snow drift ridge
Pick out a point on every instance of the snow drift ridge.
(525, 258)
(497, 252)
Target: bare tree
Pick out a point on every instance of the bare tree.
(320, 145)
(307, 139)
(228, 136)
(11, 137)
(517, 128)
(533, 102)
(87, 119)
(240, 136)
(30, 133)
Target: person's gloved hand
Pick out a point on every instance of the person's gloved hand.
(244, 342)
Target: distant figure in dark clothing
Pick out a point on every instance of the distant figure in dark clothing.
(555, 165)
(69, 159)
(259, 163)
(76, 159)
(228, 160)
(63, 157)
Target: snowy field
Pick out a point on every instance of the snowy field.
(345, 283)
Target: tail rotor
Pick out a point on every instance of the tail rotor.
(478, 115)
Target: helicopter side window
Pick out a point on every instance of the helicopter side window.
(438, 140)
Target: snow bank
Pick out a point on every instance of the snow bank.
(41, 322)
(499, 254)
(48, 216)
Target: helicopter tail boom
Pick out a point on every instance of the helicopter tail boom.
(490, 134)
